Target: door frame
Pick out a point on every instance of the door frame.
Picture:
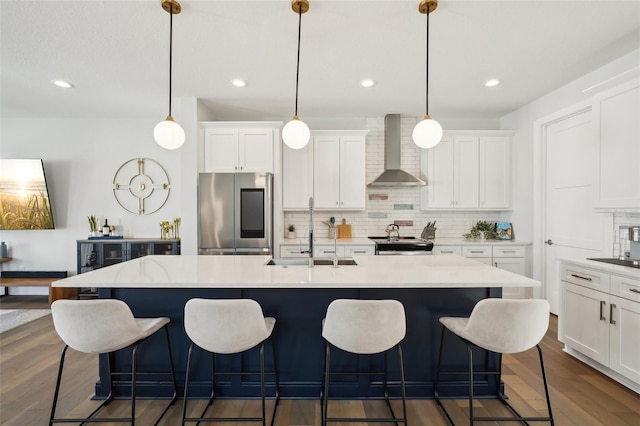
(538, 254)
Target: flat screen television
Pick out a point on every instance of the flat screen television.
(24, 198)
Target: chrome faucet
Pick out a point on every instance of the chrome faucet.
(310, 232)
(335, 249)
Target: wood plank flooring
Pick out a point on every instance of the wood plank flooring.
(29, 358)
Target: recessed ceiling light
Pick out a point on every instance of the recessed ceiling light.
(238, 83)
(367, 83)
(491, 83)
(63, 84)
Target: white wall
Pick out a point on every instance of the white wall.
(80, 158)
(526, 184)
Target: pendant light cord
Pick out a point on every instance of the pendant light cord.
(170, 53)
(427, 68)
(298, 61)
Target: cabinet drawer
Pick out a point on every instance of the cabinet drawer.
(355, 250)
(292, 251)
(448, 250)
(328, 251)
(625, 287)
(479, 251)
(509, 251)
(585, 277)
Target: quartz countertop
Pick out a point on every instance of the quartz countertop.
(192, 271)
(604, 267)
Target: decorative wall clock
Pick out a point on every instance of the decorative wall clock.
(141, 186)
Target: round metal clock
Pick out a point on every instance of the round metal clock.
(141, 186)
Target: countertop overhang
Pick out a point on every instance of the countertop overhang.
(194, 271)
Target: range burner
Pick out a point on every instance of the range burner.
(402, 245)
(614, 261)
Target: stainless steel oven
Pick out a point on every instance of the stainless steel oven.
(405, 246)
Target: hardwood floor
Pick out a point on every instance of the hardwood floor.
(29, 358)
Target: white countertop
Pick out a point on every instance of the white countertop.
(438, 241)
(605, 267)
(191, 271)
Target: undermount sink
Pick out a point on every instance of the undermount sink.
(305, 262)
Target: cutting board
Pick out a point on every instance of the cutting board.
(344, 230)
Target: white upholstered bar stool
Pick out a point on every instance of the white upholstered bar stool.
(104, 326)
(229, 326)
(364, 327)
(500, 326)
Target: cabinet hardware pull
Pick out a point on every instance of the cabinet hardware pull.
(359, 251)
(508, 251)
(476, 251)
(496, 263)
(611, 308)
(582, 278)
(602, 317)
(446, 251)
(634, 290)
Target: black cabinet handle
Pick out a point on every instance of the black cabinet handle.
(602, 317)
(611, 308)
(582, 278)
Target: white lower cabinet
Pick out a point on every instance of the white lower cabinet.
(512, 258)
(597, 322)
(327, 250)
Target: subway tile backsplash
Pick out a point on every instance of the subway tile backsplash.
(389, 205)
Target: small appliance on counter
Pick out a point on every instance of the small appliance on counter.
(630, 258)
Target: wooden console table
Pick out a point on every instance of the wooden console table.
(55, 293)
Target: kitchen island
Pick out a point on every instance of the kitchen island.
(298, 296)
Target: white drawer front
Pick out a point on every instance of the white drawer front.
(627, 288)
(519, 251)
(448, 250)
(585, 277)
(328, 251)
(476, 251)
(292, 251)
(356, 250)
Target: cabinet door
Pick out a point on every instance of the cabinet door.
(517, 266)
(494, 169)
(585, 321)
(624, 321)
(297, 177)
(465, 167)
(350, 251)
(255, 150)
(352, 172)
(616, 115)
(326, 172)
(447, 250)
(327, 251)
(221, 150)
(439, 174)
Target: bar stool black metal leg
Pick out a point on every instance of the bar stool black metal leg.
(546, 387)
(470, 384)
(327, 363)
(404, 393)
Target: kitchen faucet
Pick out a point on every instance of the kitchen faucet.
(310, 232)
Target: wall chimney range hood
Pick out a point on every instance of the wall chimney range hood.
(393, 175)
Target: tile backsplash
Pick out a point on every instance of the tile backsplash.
(389, 205)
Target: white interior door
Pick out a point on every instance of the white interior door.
(571, 228)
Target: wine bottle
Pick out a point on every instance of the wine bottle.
(105, 229)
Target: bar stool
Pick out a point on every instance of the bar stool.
(500, 326)
(104, 326)
(363, 327)
(229, 326)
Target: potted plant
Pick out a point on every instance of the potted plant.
(483, 230)
(292, 231)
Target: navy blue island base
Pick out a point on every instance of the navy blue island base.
(299, 314)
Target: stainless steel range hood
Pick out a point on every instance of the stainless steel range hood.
(393, 175)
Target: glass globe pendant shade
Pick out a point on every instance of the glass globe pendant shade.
(169, 134)
(427, 133)
(296, 134)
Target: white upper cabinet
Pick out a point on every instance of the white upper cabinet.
(616, 117)
(332, 169)
(233, 148)
(297, 177)
(467, 171)
(495, 172)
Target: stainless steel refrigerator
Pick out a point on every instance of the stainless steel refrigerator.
(235, 213)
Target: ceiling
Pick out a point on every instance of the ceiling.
(116, 53)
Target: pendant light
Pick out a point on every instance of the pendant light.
(295, 133)
(169, 134)
(428, 132)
